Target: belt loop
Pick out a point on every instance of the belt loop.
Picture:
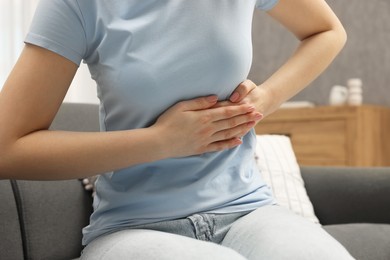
(202, 226)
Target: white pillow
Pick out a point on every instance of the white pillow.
(279, 168)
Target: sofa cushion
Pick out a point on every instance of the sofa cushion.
(363, 241)
(11, 246)
(280, 170)
(349, 194)
(54, 213)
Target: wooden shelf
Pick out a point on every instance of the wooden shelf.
(334, 135)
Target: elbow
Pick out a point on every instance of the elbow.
(333, 37)
(335, 40)
(341, 35)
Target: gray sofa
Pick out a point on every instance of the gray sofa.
(43, 220)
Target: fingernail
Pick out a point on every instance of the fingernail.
(212, 99)
(234, 97)
(258, 116)
(251, 109)
(238, 141)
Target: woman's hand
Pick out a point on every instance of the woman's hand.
(196, 126)
(248, 93)
(260, 96)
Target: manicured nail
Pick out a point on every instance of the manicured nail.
(212, 99)
(238, 141)
(251, 109)
(235, 97)
(258, 116)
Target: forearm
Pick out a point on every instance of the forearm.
(64, 155)
(311, 58)
(188, 128)
(322, 37)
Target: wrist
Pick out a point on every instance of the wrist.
(268, 100)
(160, 142)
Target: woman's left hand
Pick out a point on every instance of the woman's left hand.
(242, 91)
(247, 92)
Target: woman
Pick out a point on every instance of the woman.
(177, 117)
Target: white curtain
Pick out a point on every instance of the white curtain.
(15, 19)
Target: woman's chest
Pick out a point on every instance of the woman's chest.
(170, 50)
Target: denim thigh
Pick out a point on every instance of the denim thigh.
(273, 232)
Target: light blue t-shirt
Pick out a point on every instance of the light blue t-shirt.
(145, 56)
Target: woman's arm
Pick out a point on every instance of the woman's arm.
(322, 37)
(33, 94)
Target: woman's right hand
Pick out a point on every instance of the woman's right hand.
(194, 127)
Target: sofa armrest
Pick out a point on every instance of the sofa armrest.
(11, 245)
(349, 195)
(52, 215)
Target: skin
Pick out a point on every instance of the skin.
(40, 79)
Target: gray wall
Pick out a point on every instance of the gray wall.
(366, 54)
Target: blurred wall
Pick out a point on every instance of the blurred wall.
(366, 54)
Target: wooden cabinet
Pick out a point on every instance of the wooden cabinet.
(331, 135)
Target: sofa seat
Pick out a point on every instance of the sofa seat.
(363, 240)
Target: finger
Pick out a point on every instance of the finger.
(234, 132)
(222, 113)
(238, 120)
(242, 91)
(223, 145)
(224, 104)
(197, 103)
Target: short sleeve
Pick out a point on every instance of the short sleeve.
(58, 26)
(266, 4)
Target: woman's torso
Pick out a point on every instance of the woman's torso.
(146, 56)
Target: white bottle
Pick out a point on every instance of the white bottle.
(355, 90)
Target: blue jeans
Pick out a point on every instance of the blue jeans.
(270, 232)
